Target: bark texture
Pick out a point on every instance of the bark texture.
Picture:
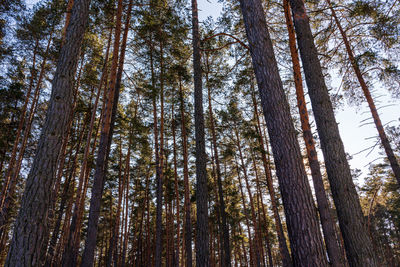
(351, 219)
(305, 237)
(202, 250)
(32, 226)
(104, 147)
(336, 258)
(187, 205)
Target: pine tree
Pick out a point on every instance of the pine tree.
(37, 197)
(202, 249)
(358, 244)
(290, 170)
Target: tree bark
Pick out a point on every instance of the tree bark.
(31, 227)
(283, 249)
(351, 219)
(262, 210)
(160, 165)
(14, 166)
(65, 195)
(336, 258)
(105, 142)
(305, 237)
(202, 250)
(246, 215)
(177, 201)
(187, 206)
(13, 156)
(253, 213)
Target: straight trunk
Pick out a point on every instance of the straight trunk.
(304, 234)
(13, 156)
(224, 226)
(218, 227)
(262, 209)
(188, 223)
(283, 249)
(253, 213)
(148, 245)
(245, 213)
(177, 202)
(159, 163)
(74, 236)
(127, 190)
(31, 227)
(11, 181)
(115, 232)
(202, 250)
(65, 195)
(351, 219)
(102, 156)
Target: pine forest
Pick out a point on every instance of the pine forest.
(200, 133)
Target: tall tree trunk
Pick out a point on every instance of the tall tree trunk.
(377, 120)
(304, 234)
(177, 198)
(13, 156)
(105, 142)
(336, 258)
(64, 232)
(74, 235)
(224, 226)
(11, 181)
(127, 190)
(202, 250)
(187, 206)
(245, 213)
(351, 219)
(31, 227)
(147, 200)
(262, 209)
(253, 213)
(65, 195)
(159, 165)
(243, 247)
(283, 249)
(112, 252)
(218, 227)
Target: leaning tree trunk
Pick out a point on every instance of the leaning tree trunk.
(377, 120)
(32, 225)
(336, 258)
(202, 250)
(351, 219)
(305, 237)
